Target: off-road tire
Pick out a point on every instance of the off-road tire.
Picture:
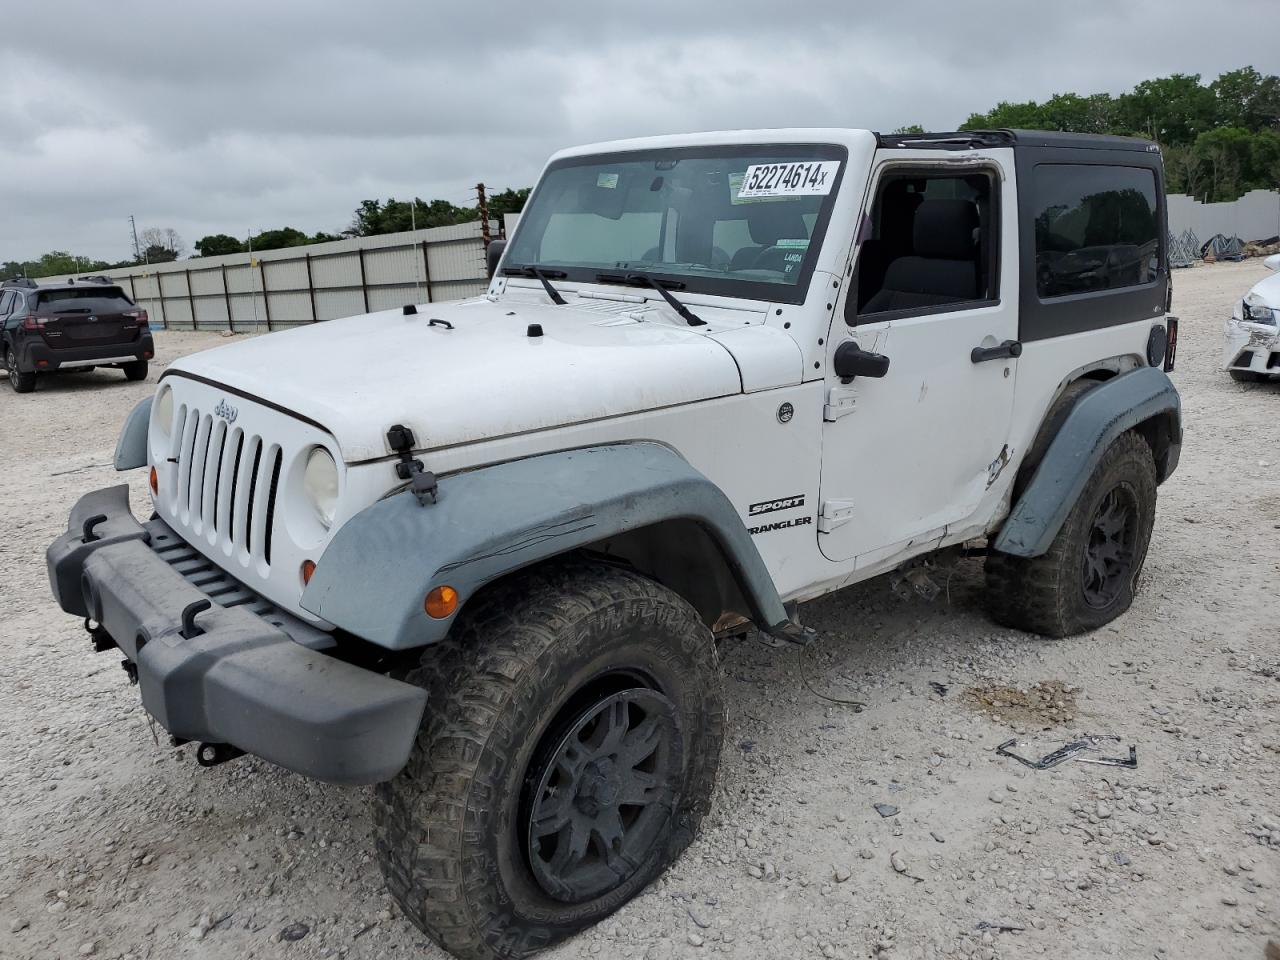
(21, 382)
(1046, 594)
(510, 672)
(135, 371)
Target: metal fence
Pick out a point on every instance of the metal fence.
(322, 281)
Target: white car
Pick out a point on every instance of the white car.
(481, 553)
(1252, 350)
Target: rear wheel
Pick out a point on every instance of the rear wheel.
(1088, 575)
(137, 370)
(567, 757)
(21, 382)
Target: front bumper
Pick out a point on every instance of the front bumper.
(1251, 346)
(236, 677)
(40, 357)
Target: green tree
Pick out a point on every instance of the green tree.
(507, 201)
(910, 128)
(1015, 116)
(158, 253)
(279, 239)
(1173, 109)
(218, 244)
(1247, 99)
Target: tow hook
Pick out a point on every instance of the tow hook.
(213, 754)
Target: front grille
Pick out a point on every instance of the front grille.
(227, 485)
(225, 590)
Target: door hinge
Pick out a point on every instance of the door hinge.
(840, 401)
(833, 514)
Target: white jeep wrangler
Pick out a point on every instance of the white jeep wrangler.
(479, 554)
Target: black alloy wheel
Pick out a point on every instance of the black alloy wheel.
(599, 799)
(1109, 552)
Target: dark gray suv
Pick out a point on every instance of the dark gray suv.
(76, 325)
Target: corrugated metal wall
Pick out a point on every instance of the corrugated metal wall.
(321, 281)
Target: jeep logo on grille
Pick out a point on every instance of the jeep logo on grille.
(226, 411)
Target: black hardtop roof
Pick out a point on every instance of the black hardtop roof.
(976, 139)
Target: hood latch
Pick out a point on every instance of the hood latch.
(421, 480)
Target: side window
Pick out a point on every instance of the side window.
(6, 304)
(1096, 227)
(933, 242)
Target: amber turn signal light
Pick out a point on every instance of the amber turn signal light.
(155, 482)
(441, 602)
(308, 568)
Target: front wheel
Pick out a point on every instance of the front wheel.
(1088, 575)
(568, 754)
(21, 382)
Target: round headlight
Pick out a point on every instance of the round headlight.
(162, 417)
(320, 481)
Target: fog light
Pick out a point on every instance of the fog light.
(308, 568)
(155, 483)
(441, 602)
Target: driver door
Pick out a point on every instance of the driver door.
(912, 456)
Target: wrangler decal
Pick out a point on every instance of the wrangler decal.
(780, 525)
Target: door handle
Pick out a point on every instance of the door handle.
(1002, 351)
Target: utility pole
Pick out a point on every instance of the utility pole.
(137, 251)
(417, 271)
(482, 204)
(253, 296)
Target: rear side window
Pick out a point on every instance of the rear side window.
(84, 300)
(1095, 228)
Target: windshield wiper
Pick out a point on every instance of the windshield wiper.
(533, 270)
(645, 280)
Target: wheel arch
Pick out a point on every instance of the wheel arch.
(1088, 414)
(636, 504)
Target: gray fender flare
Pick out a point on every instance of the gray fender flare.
(375, 573)
(1095, 421)
(131, 448)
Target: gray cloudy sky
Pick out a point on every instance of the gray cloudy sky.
(219, 117)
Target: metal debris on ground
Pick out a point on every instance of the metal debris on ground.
(886, 809)
(1072, 751)
(1000, 926)
(939, 688)
(1130, 762)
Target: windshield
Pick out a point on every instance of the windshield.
(741, 221)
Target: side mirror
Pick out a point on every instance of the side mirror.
(493, 255)
(852, 361)
(1272, 262)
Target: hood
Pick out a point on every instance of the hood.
(1266, 292)
(480, 378)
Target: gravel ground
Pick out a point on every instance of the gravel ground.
(114, 844)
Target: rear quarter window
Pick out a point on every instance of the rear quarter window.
(87, 300)
(1096, 228)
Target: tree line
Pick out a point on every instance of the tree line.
(371, 218)
(1219, 140)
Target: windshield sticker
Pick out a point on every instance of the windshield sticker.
(798, 243)
(798, 179)
(608, 181)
